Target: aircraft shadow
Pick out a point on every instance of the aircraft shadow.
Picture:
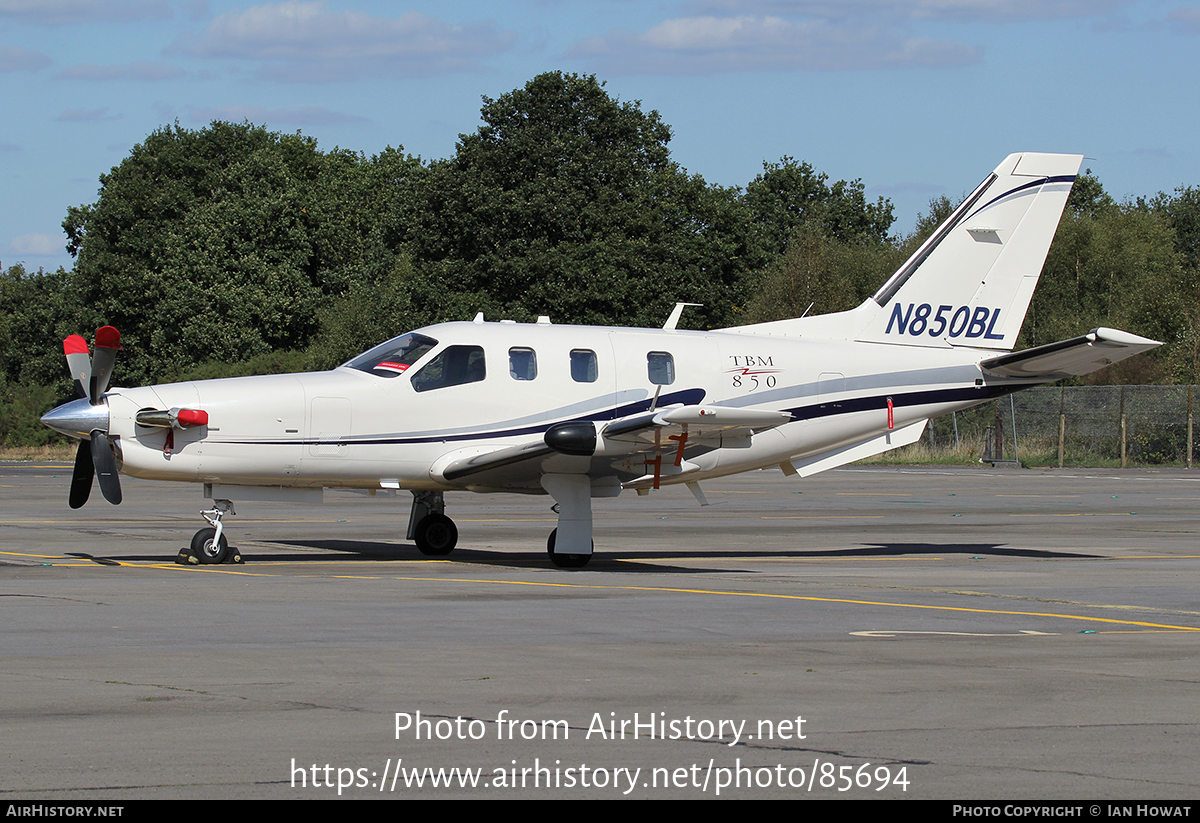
(649, 561)
(367, 551)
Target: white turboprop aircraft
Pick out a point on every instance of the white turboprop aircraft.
(581, 411)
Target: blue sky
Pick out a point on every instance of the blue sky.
(916, 97)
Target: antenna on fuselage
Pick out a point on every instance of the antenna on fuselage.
(654, 402)
(676, 313)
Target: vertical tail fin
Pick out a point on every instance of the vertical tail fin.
(970, 283)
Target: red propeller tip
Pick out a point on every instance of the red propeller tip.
(107, 337)
(75, 345)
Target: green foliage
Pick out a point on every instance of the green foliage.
(1182, 212)
(565, 202)
(788, 195)
(274, 362)
(819, 274)
(940, 208)
(366, 314)
(220, 244)
(21, 406)
(1117, 267)
(1088, 198)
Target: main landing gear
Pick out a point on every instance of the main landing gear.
(570, 545)
(210, 545)
(428, 526)
(566, 561)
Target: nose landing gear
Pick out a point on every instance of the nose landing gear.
(210, 545)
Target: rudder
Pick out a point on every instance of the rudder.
(970, 283)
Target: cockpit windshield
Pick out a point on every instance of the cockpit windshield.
(392, 359)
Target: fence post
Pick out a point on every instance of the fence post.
(1122, 427)
(1062, 436)
(999, 432)
(1062, 424)
(1189, 446)
(1012, 413)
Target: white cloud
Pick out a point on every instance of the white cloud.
(15, 58)
(67, 12)
(143, 70)
(304, 42)
(700, 45)
(38, 245)
(957, 10)
(1184, 20)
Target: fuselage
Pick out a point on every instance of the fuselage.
(398, 425)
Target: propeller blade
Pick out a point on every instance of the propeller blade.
(81, 479)
(108, 343)
(106, 468)
(79, 362)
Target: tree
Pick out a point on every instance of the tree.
(1182, 212)
(1088, 197)
(788, 195)
(221, 244)
(819, 274)
(565, 202)
(1117, 267)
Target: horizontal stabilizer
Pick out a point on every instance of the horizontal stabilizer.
(1079, 355)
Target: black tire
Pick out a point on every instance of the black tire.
(566, 561)
(436, 535)
(204, 550)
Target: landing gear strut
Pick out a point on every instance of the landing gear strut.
(573, 495)
(428, 526)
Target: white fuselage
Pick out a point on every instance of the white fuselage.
(354, 429)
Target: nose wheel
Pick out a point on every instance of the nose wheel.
(209, 545)
(208, 548)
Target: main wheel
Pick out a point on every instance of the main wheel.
(205, 550)
(566, 561)
(436, 535)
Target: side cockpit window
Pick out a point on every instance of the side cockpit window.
(583, 366)
(392, 359)
(660, 366)
(454, 366)
(522, 363)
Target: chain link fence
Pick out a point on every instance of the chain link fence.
(1075, 426)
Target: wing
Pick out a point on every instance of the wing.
(617, 448)
(1078, 355)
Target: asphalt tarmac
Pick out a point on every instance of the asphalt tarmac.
(916, 632)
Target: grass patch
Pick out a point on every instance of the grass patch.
(57, 452)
